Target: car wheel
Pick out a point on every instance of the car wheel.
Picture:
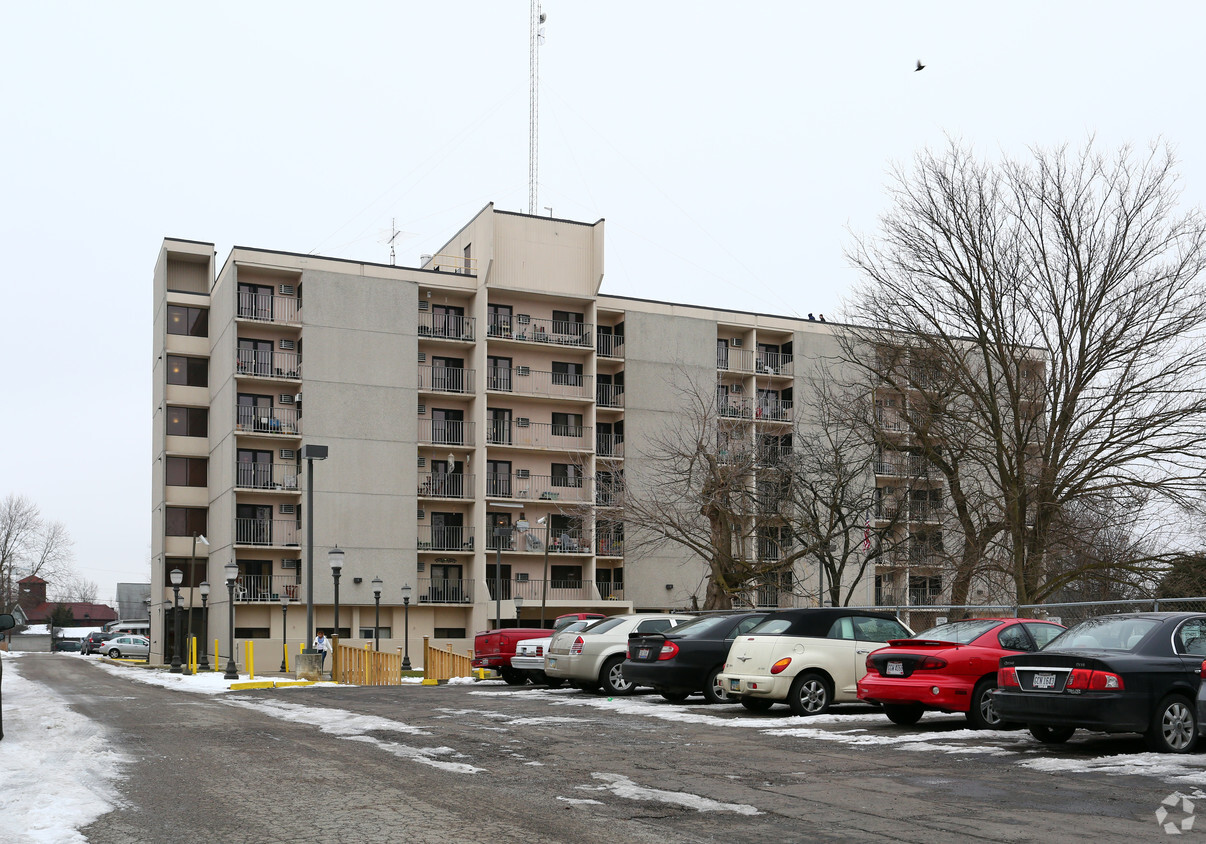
(114, 653)
(512, 677)
(1174, 727)
(1051, 735)
(757, 704)
(905, 714)
(675, 697)
(612, 677)
(983, 712)
(713, 690)
(810, 695)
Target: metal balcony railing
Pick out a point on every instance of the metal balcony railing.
(445, 326)
(609, 545)
(890, 420)
(522, 380)
(268, 363)
(281, 532)
(266, 420)
(445, 379)
(775, 363)
(446, 538)
(926, 511)
(610, 345)
(525, 434)
(266, 476)
(886, 509)
(735, 408)
(735, 360)
(609, 445)
(445, 485)
(266, 588)
(773, 411)
(444, 590)
(265, 307)
(610, 590)
(609, 493)
(609, 395)
(906, 597)
(540, 487)
(534, 590)
(534, 329)
(445, 432)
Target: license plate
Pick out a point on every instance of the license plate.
(896, 669)
(735, 685)
(552, 662)
(643, 653)
(1044, 680)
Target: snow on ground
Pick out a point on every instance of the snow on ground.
(622, 786)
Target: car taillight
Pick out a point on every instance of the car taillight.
(540, 650)
(1203, 671)
(668, 651)
(1007, 678)
(780, 665)
(1098, 681)
(870, 666)
(930, 662)
(576, 647)
(1078, 678)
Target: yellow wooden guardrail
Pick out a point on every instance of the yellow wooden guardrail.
(440, 664)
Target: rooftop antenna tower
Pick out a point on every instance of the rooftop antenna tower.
(393, 229)
(535, 38)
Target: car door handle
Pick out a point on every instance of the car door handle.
(867, 651)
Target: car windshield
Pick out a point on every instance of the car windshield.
(1109, 633)
(959, 632)
(604, 625)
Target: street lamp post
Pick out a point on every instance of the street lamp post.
(310, 453)
(177, 578)
(203, 665)
(284, 635)
(335, 558)
(518, 607)
(192, 567)
(544, 584)
(377, 619)
(231, 570)
(406, 627)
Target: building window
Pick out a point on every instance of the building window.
(567, 374)
(251, 633)
(367, 632)
(188, 372)
(191, 322)
(185, 521)
(187, 421)
(187, 471)
(566, 474)
(450, 633)
(193, 570)
(566, 577)
(567, 425)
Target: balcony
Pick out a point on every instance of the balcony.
(610, 345)
(730, 359)
(445, 485)
(890, 420)
(440, 590)
(773, 411)
(445, 538)
(265, 307)
(609, 493)
(540, 487)
(266, 420)
(445, 432)
(533, 591)
(524, 434)
(905, 466)
(268, 364)
(446, 327)
(907, 598)
(773, 597)
(445, 379)
(609, 395)
(609, 545)
(281, 476)
(732, 408)
(775, 363)
(281, 532)
(524, 381)
(926, 511)
(609, 445)
(266, 588)
(533, 329)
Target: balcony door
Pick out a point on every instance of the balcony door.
(447, 532)
(253, 524)
(255, 301)
(499, 370)
(498, 481)
(255, 356)
(500, 426)
(446, 479)
(446, 320)
(254, 412)
(447, 426)
(447, 584)
(254, 468)
(448, 374)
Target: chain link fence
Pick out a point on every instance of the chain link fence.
(1068, 614)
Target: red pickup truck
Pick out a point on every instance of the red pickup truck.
(494, 648)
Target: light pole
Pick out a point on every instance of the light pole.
(284, 635)
(177, 577)
(192, 567)
(377, 619)
(310, 453)
(231, 570)
(335, 558)
(518, 607)
(406, 627)
(203, 665)
(500, 532)
(544, 584)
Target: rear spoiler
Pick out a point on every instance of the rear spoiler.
(923, 643)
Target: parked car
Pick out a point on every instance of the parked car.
(94, 642)
(494, 649)
(808, 658)
(1124, 673)
(688, 658)
(68, 646)
(529, 653)
(594, 656)
(949, 668)
(123, 647)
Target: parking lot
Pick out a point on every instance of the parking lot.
(493, 762)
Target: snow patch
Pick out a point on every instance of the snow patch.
(622, 786)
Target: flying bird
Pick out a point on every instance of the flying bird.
(920, 66)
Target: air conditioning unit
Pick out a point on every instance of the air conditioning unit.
(288, 509)
(297, 398)
(522, 422)
(521, 577)
(288, 345)
(422, 513)
(288, 290)
(422, 462)
(523, 370)
(736, 342)
(523, 473)
(424, 305)
(422, 357)
(523, 319)
(422, 410)
(286, 398)
(288, 454)
(421, 566)
(290, 564)
(735, 388)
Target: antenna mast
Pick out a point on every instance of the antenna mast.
(535, 36)
(393, 235)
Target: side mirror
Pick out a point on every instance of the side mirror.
(7, 622)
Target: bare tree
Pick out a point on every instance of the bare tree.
(29, 545)
(1059, 299)
(72, 588)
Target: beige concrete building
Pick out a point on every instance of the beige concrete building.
(493, 387)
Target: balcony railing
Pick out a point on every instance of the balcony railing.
(534, 590)
(926, 511)
(445, 326)
(735, 408)
(773, 597)
(445, 432)
(609, 395)
(775, 363)
(268, 363)
(890, 419)
(266, 476)
(266, 420)
(735, 360)
(610, 345)
(265, 307)
(443, 590)
(609, 545)
(534, 329)
(266, 532)
(609, 445)
(886, 509)
(445, 485)
(445, 538)
(537, 434)
(446, 379)
(906, 597)
(266, 588)
(609, 493)
(522, 380)
(774, 411)
(541, 487)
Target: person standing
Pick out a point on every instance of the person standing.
(323, 645)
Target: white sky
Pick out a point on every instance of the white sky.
(728, 145)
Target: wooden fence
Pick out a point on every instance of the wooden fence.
(361, 667)
(439, 664)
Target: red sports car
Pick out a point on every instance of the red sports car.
(949, 668)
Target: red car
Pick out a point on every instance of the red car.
(949, 668)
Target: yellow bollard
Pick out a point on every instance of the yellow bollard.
(192, 654)
(286, 648)
(217, 661)
(250, 660)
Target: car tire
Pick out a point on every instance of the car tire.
(810, 695)
(513, 677)
(612, 677)
(982, 714)
(1051, 735)
(675, 697)
(757, 704)
(713, 690)
(114, 653)
(904, 714)
(1174, 727)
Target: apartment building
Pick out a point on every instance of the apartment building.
(479, 413)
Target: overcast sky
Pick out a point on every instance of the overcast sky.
(731, 148)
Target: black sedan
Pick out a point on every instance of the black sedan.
(1126, 673)
(687, 658)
